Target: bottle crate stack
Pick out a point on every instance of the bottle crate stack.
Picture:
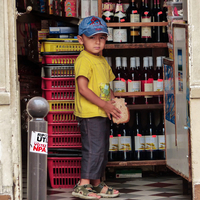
(58, 88)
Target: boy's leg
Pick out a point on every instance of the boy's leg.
(95, 140)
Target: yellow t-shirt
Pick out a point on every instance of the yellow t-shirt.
(99, 73)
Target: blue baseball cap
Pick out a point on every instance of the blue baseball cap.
(92, 25)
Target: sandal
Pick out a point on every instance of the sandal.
(82, 192)
(108, 194)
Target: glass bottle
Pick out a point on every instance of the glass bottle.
(119, 84)
(160, 131)
(158, 80)
(151, 143)
(146, 31)
(133, 15)
(139, 138)
(119, 33)
(125, 143)
(113, 144)
(164, 35)
(108, 11)
(147, 81)
(134, 82)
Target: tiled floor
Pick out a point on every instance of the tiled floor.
(149, 188)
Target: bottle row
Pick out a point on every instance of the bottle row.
(136, 80)
(134, 14)
(137, 143)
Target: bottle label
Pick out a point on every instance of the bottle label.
(148, 87)
(161, 142)
(135, 33)
(146, 30)
(107, 14)
(125, 143)
(119, 8)
(120, 15)
(134, 18)
(151, 142)
(113, 144)
(139, 143)
(134, 86)
(110, 34)
(158, 85)
(120, 35)
(119, 86)
(108, 6)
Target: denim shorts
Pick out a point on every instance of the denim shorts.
(95, 133)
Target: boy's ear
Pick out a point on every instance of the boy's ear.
(80, 39)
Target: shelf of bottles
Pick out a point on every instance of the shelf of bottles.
(139, 143)
(139, 23)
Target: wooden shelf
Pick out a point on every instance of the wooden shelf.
(135, 94)
(136, 163)
(145, 106)
(135, 45)
(128, 24)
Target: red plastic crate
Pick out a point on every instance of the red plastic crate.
(61, 117)
(63, 128)
(58, 83)
(64, 141)
(59, 59)
(64, 172)
(58, 94)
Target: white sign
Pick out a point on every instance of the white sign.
(39, 142)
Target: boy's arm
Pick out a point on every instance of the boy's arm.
(107, 106)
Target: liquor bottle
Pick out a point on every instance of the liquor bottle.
(134, 82)
(164, 35)
(133, 15)
(146, 31)
(160, 131)
(119, 33)
(147, 81)
(150, 68)
(125, 143)
(139, 138)
(119, 84)
(151, 143)
(124, 70)
(109, 60)
(113, 144)
(158, 18)
(154, 13)
(158, 80)
(108, 11)
(107, 16)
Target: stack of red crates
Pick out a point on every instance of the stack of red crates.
(58, 88)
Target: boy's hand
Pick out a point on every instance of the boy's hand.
(110, 109)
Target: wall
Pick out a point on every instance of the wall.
(194, 63)
(10, 145)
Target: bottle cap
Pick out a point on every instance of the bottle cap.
(118, 61)
(145, 62)
(137, 61)
(132, 62)
(150, 61)
(159, 61)
(124, 61)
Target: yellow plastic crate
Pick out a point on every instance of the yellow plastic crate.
(56, 44)
(61, 105)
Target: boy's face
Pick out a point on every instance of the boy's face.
(93, 44)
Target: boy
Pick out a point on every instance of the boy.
(93, 108)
